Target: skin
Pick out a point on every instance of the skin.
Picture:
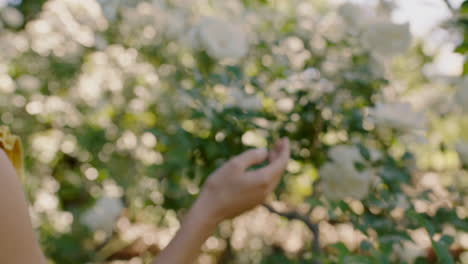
(230, 191)
(18, 243)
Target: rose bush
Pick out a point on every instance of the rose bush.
(126, 106)
(221, 39)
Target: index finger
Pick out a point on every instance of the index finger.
(249, 158)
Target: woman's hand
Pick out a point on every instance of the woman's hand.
(228, 192)
(234, 189)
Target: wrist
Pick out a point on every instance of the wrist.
(206, 212)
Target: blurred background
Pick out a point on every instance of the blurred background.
(126, 106)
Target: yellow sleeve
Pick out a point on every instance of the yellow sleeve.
(11, 144)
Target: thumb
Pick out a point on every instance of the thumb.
(275, 169)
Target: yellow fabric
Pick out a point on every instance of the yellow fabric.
(11, 144)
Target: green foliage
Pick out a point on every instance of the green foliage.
(82, 145)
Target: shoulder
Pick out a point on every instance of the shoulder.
(5, 164)
(17, 242)
(11, 148)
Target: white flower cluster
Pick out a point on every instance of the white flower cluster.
(249, 102)
(46, 209)
(461, 96)
(147, 22)
(387, 39)
(108, 69)
(221, 39)
(380, 35)
(103, 215)
(309, 80)
(398, 116)
(63, 111)
(11, 17)
(46, 145)
(341, 179)
(11, 45)
(64, 25)
(354, 15)
(292, 49)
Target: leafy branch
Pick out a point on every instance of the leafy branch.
(294, 215)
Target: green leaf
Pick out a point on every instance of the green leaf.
(394, 177)
(364, 152)
(422, 220)
(394, 236)
(442, 251)
(462, 48)
(448, 240)
(366, 245)
(357, 260)
(465, 68)
(449, 216)
(344, 206)
(464, 8)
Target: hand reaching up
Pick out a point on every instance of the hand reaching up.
(228, 192)
(234, 189)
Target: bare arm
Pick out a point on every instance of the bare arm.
(18, 242)
(229, 191)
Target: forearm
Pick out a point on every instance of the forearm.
(228, 192)
(197, 226)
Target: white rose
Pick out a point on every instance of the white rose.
(387, 39)
(385, 8)
(255, 138)
(344, 154)
(222, 39)
(28, 82)
(332, 27)
(45, 144)
(400, 116)
(462, 150)
(340, 178)
(249, 102)
(7, 85)
(341, 181)
(461, 96)
(379, 66)
(354, 15)
(175, 25)
(408, 251)
(103, 214)
(12, 17)
(85, 13)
